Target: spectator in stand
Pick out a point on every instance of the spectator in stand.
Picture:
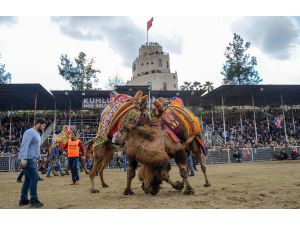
(294, 154)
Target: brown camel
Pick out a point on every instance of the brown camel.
(151, 148)
(102, 147)
(104, 154)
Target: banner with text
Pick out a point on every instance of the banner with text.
(95, 103)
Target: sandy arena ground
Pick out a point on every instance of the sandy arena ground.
(252, 185)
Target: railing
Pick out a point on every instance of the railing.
(209, 134)
(9, 163)
(224, 156)
(247, 154)
(77, 122)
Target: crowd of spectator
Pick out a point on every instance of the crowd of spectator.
(12, 128)
(240, 128)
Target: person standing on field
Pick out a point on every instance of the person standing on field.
(28, 156)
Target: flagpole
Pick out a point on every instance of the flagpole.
(147, 36)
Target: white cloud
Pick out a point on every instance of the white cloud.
(31, 49)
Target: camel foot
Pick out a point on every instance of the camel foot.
(207, 185)
(94, 191)
(128, 192)
(105, 185)
(189, 191)
(178, 185)
(87, 172)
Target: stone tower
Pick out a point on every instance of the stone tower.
(153, 66)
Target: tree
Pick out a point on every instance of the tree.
(5, 77)
(186, 86)
(190, 86)
(239, 67)
(113, 81)
(80, 75)
(208, 86)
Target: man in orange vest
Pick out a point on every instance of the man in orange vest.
(73, 147)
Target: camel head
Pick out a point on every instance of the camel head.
(152, 177)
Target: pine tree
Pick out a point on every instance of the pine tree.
(239, 67)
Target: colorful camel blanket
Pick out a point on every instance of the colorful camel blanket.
(118, 103)
(63, 137)
(121, 109)
(181, 123)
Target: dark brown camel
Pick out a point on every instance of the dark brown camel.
(148, 146)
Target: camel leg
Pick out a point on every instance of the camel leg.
(177, 185)
(203, 168)
(197, 153)
(130, 175)
(107, 158)
(184, 174)
(181, 161)
(97, 163)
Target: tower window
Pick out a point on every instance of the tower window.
(142, 64)
(147, 63)
(133, 67)
(167, 64)
(174, 77)
(165, 86)
(159, 63)
(151, 62)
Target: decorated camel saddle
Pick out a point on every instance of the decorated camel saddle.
(122, 109)
(178, 121)
(63, 137)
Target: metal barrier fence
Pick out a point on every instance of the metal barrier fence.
(11, 163)
(247, 154)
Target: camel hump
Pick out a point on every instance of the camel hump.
(146, 134)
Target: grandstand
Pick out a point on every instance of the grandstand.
(256, 120)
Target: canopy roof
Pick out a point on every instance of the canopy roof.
(263, 95)
(22, 97)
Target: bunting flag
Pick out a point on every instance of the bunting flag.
(149, 23)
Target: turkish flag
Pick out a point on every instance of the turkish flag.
(149, 23)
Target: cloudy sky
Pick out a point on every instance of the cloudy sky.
(31, 46)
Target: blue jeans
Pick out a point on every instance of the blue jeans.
(57, 162)
(31, 180)
(73, 162)
(190, 165)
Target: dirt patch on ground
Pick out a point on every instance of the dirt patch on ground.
(245, 185)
